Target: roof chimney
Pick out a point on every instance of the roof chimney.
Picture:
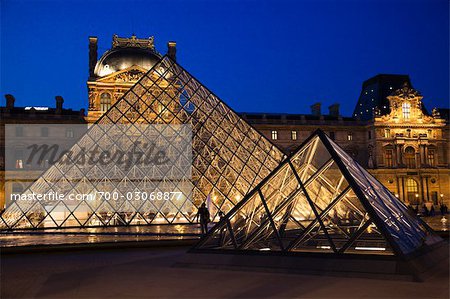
(334, 109)
(10, 101)
(315, 109)
(59, 104)
(172, 50)
(92, 55)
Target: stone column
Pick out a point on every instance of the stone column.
(394, 158)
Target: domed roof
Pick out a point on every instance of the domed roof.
(118, 59)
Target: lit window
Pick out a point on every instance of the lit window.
(429, 133)
(390, 87)
(294, 135)
(412, 191)
(19, 158)
(410, 157)
(350, 136)
(408, 133)
(387, 133)
(274, 135)
(431, 157)
(388, 158)
(105, 102)
(406, 108)
(44, 132)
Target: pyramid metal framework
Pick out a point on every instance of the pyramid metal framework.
(229, 158)
(320, 200)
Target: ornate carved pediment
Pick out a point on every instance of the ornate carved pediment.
(406, 92)
(130, 75)
(406, 104)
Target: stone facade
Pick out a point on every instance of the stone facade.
(403, 147)
(393, 136)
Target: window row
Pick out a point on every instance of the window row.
(407, 134)
(409, 157)
(44, 132)
(294, 135)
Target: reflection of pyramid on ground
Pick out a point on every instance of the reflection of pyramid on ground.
(229, 158)
(320, 200)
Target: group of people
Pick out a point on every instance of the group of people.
(204, 217)
(429, 212)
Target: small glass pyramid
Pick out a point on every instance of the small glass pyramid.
(320, 200)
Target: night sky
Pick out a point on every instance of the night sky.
(258, 56)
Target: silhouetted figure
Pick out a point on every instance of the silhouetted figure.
(425, 210)
(203, 215)
(221, 215)
(412, 210)
(442, 209)
(432, 210)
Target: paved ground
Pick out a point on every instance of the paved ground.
(149, 273)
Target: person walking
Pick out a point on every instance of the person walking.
(203, 216)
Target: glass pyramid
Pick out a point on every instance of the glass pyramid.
(228, 158)
(320, 200)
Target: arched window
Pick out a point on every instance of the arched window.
(410, 157)
(105, 102)
(412, 191)
(406, 109)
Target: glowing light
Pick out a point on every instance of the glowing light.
(265, 249)
(37, 108)
(324, 247)
(371, 248)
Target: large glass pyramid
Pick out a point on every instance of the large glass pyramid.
(228, 159)
(320, 200)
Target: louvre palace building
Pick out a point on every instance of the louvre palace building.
(392, 134)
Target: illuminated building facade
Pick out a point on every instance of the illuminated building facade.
(117, 70)
(401, 145)
(21, 174)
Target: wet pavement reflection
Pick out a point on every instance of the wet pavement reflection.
(99, 235)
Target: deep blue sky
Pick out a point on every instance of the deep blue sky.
(273, 56)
